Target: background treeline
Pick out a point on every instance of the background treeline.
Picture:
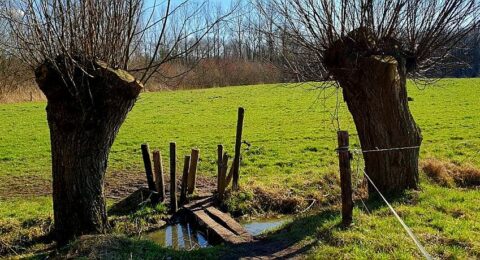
(467, 56)
(245, 48)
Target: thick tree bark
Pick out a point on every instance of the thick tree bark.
(372, 74)
(83, 127)
(378, 101)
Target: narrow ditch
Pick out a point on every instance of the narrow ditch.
(184, 235)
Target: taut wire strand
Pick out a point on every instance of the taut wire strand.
(409, 231)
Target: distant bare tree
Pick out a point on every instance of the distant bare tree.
(467, 55)
(81, 51)
(475, 48)
(13, 71)
(370, 47)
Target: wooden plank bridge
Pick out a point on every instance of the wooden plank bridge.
(218, 226)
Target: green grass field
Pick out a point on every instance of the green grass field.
(292, 133)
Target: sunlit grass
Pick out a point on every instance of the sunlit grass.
(293, 141)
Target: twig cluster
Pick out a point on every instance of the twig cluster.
(134, 35)
(423, 32)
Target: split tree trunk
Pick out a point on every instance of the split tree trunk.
(83, 127)
(376, 95)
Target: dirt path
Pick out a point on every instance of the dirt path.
(117, 185)
(269, 249)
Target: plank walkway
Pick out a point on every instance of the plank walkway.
(217, 225)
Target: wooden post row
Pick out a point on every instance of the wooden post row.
(344, 157)
(173, 177)
(223, 180)
(238, 144)
(148, 166)
(228, 177)
(219, 165)
(158, 171)
(192, 172)
(183, 191)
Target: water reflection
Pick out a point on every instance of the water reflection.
(179, 236)
(256, 227)
(183, 236)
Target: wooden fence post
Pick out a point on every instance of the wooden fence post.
(223, 180)
(238, 145)
(173, 179)
(148, 167)
(344, 157)
(192, 172)
(228, 178)
(158, 171)
(219, 166)
(183, 191)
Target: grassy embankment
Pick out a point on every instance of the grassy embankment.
(292, 150)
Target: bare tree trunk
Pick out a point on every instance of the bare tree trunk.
(83, 127)
(376, 96)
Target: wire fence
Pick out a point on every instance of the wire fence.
(385, 149)
(361, 171)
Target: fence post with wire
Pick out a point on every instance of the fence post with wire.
(344, 157)
(343, 152)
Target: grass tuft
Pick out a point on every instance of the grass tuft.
(121, 247)
(438, 172)
(255, 200)
(449, 174)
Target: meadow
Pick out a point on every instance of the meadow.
(291, 130)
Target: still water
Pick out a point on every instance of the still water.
(183, 236)
(259, 226)
(179, 236)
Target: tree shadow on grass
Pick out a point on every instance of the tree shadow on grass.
(374, 202)
(287, 242)
(305, 231)
(293, 239)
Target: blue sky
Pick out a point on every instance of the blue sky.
(161, 4)
(225, 2)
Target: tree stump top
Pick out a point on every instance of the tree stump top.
(55, 77)
(122, 74)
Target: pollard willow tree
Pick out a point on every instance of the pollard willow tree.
(370, 47)
(82, 52)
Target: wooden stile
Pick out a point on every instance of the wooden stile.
(228, 177)
(158, 174)
(238, 145)
(219, 165)
(148, 166)
(223, 181)
(192, 172)
(183, 191)
(173, 179)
